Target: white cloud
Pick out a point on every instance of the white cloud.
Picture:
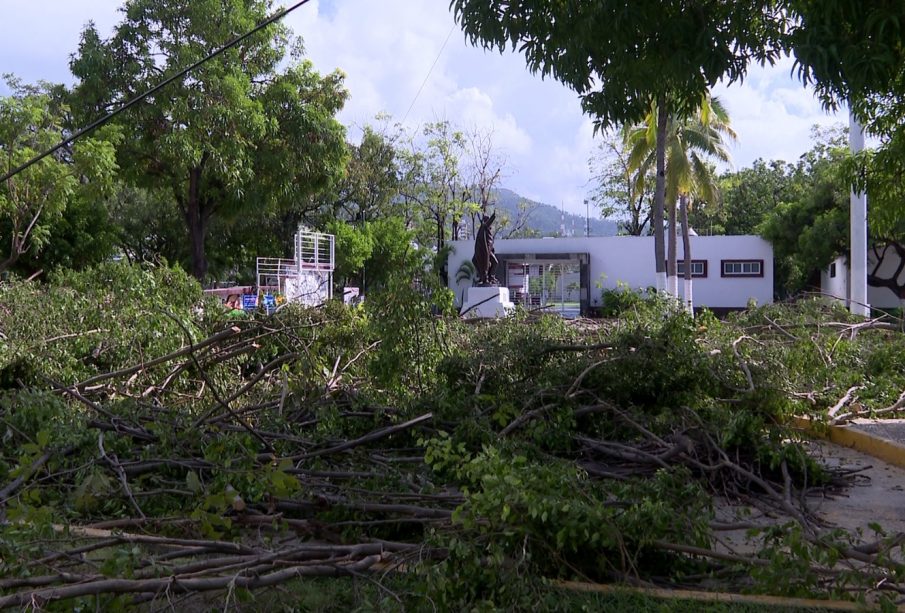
(475, 108)
(772, 115)
(563, 170)
(36, 41)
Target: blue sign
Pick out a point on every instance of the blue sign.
(270, 303)
(249, 302)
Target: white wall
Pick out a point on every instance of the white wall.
(883, 297)
(836, 287)
(630, 259)
(877, 297)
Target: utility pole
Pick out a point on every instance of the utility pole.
(858, 220)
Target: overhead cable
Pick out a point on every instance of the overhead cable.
(153, 90)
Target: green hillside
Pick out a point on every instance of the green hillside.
(547, 219)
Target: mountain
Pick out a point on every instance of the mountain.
(546, 220)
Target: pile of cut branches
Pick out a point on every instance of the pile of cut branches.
(301, 445)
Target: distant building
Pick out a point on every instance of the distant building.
(728, 271)
(885, 277)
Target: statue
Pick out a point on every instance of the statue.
(485, 259)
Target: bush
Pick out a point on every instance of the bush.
(97, 320)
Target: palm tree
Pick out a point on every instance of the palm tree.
(466, 274)
(690, 141)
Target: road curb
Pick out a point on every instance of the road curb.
(849, 436)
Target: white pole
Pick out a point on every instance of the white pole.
(858, 218)
(543, 291)
(562, 290)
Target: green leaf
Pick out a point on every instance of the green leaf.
(193, 482)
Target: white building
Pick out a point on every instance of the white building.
(728, 271)
(885, 278)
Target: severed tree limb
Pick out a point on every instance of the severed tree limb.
(74, 393)
(367, 438)
(102, 544)
(177, 584)
(16, 483)
(191, 348)
(113, 462)
(522, 419)
(574, 388)
(743, 364)
(43, 580)
(782, 330)
(130, 537)
(274, 363)
(114, 426)
(898, 405)
(576, 348)
(844, 401)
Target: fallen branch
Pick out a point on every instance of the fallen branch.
(367, 438)
(7, 492)
(216, 338)
(175, 584)
(113, 462)
(844, 401)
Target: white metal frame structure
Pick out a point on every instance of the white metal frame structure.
(308, 277)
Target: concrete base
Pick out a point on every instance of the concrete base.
(487, 302)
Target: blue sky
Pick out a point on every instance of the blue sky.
(387, 48)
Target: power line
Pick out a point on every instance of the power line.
(153, 90)
(429, 72)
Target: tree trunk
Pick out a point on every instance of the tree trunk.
(442, 271)
(9, 262)
(686, 252)
(15, 249)
(672, 276)
(196, 222)
(660, 195)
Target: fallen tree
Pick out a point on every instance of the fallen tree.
(310, 444)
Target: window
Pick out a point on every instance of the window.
(698, 268)
(833, 270)
(743, 268)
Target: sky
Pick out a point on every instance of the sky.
(407, 58)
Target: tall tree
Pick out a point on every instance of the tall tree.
(854, 53)
(149, 224)
(809, 225)
(483, 172)
(371, 181)
(237, 135)
(689, 142)
(747, 196)
(433, 188)
(623, 56)
(31, 121)
(620, 189)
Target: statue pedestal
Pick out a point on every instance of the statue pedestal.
(487, 302)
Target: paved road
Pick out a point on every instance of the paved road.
(890, 429)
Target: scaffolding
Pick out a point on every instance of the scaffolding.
(308, 277)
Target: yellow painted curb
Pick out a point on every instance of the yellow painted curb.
(701, 596)
(890, 452)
